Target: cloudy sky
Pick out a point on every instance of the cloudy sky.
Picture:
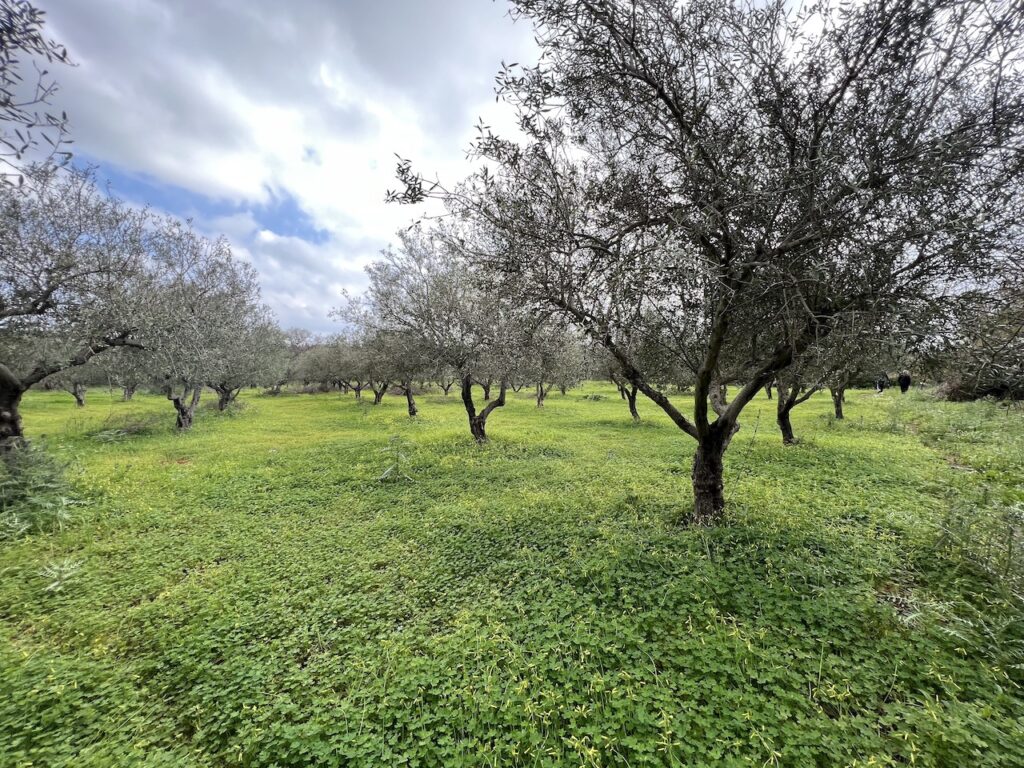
(277, 123)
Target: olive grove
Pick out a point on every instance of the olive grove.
(734, 181)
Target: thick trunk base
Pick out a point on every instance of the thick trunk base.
(708, 485)
(10, 421)
(631, 399)
(478, 428)
(185, 408)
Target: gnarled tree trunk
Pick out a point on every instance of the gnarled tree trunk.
(708, 477)
(127, 392)
(225, 396)
(77, 391)
(478, 421)
(378, 392)
(486, 385)
(446, 386)
(185, 405)
(11, 390)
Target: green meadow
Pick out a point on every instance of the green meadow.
(310, 580)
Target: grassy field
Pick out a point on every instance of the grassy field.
(253, 594)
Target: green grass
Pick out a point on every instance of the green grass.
(253, 594)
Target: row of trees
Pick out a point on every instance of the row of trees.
(90, 283)
(747, 191)
(381, 351)
(93, 288)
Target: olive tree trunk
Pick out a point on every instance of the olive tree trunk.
(225, 396)
(478, 421)
(11, 390)
(631, 399)
(785, 425)
(790, 396)
(409, 400)
(542, 393)
(708, 477)
(78, 392)
(838, 398)
(185, 405)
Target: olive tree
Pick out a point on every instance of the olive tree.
(206, 303)
(711, 172)
(127, 368)
(297, 342)
(255, 354)
(76, 381)
(74, 281)
(425, 289)
(553, 357)
(978, 351)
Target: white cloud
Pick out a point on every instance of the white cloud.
(252, 102)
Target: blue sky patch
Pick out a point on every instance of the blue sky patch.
(282, 215)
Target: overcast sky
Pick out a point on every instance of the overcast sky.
(276, 123)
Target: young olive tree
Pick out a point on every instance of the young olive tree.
(74, 281)
(708, 173)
